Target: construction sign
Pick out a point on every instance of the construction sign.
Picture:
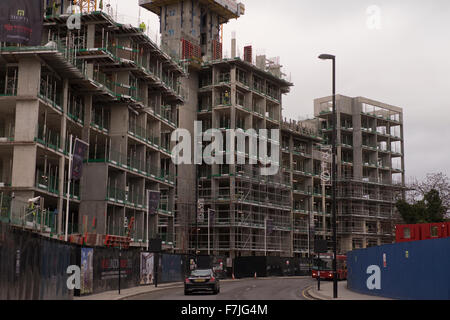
(21, 21)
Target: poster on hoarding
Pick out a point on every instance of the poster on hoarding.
(87, 271)
(21, 21)
(147, 268)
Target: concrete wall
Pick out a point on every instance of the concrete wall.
(94, 194)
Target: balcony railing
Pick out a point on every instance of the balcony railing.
(50, 92)
(47, 182)
(48, 138)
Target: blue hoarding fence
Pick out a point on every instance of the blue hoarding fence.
(417, 270)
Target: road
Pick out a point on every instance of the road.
(245, 289)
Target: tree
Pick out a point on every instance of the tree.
(437, 181)
(435, 211)
(411, 213)
(427, 210)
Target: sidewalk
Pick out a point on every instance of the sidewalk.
(128, 293)
(326, 292)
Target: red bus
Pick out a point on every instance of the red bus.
(326, 267)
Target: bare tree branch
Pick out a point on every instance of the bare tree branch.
(438, 181)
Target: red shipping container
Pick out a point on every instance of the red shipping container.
(425, 231)
(407, 232)
(433, 230)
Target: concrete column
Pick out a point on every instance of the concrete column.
(187, 115)
(357, 140)
(233, 47)
(26, 122)
(119, 129)
(90, 43)
(87, 118)
(62, 160)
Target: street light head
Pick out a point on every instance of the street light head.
(327, 57)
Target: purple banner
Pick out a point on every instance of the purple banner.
(269, 226)
(152, 201)
(79, 152)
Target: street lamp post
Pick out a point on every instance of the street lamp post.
(334, 171)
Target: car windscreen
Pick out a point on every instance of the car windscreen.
(201, 273)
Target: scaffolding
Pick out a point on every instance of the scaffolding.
(366, 211)
(243, 211)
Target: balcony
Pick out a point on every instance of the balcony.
(204, 108)
(205, 82)
(50, 92)
(49, 139)
(223, 78)
(137, 131)
(116, 195)
(272, 116)
(100, 122)
(75, 110)
(135, 199)
(168, 116)
(301, 151)
(223, 101)
(47, 182)
(301, 190)
(8, 82)
(258, 111)
(74, 193)
(104, 82)
(136, 165)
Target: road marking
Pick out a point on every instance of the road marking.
(307, 295)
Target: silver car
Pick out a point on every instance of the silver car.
(202, 280)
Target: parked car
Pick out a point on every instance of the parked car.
(202, 280)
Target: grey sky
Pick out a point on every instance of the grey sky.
(406, 63)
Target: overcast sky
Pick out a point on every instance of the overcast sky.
(405, 63)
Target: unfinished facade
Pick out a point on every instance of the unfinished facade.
(109, 85)
(236, 94)
(371, 168)
(310, 199)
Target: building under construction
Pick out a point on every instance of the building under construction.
(253, 214)
(370, 168)
(104, 83)
(111, 86)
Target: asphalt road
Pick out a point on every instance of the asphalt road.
(244, 289)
